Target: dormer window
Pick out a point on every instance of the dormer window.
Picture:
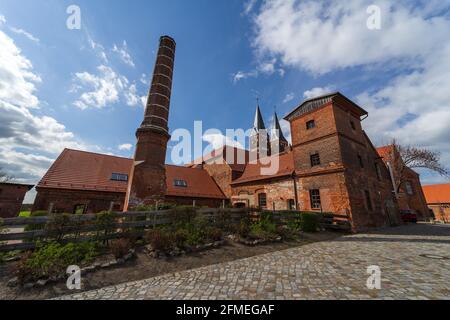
(310, 125)
(180, 183)
(119, 177)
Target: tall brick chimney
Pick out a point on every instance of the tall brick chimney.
(147, 182)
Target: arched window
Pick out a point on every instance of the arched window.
(262, 200)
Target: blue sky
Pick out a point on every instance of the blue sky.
(83, 88)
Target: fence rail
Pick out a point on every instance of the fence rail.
(79, 228)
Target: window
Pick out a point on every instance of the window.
(315, 199)
(119, 177)
(352, 124)
(80, 209)
(315, 160)
(291, 205)
(409, 188)
(361, 162)
(368, 200)
(180, 183)
(310, 124)
(378, 171)
(262, 200)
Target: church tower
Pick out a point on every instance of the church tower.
(278, 141)
(259, 138)
(147, 183)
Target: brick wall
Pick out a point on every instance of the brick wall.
(11, 198)
(64, 201)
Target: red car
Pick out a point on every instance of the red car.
(408, 215)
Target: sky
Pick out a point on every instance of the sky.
(84, 88)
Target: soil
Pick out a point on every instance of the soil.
(144, 267)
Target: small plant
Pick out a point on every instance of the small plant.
(214, 234)
(53, 258)
(55, 227)
(309, 222)
(160, 240)
(39, 226)
(180, 237)
(243, 229)
(120, 247)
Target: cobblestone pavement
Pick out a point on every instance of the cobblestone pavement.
(327, 270)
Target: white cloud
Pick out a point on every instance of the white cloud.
(97, 48)
(2, 19)
(17, 81)
(28, 142)
(317, 92)
(102, 89)
(248, 6)
(124, 54)
(320, 37)
(240, 75)
(125, 147)
(289, 97)
(25, 33)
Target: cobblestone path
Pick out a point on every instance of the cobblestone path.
(414, 261)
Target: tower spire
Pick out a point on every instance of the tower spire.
(278, 141)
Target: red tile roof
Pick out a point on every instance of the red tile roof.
(386, 151)
(234, 163)
(438, 193)
(253, 171)
(80, 170)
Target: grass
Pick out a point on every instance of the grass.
(25, 214)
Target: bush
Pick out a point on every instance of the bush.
(160, 239)
(309, 222)
(55, 226)
(214, 234)
(40, 226)
(53, 259)
(180, 237)
(121, 247)
(243, 229)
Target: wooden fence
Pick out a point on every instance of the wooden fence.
(79, 228)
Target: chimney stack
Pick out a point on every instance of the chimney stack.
(147, 182)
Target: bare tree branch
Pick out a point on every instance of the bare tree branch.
(4, 177)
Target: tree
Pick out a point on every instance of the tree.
(415, 158)
(4, 177)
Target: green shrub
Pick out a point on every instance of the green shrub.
(309, 222)
(214, 234)
(56, 224)
(160, 239)
(180, 237)
(121, 247)
(39, 226)
(243, 228)
(52, 259)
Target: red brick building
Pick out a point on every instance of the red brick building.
(438, 200)
(11, 198)
(85, 182)
(410, 194)
(332, 166)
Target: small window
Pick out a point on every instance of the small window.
(368, 200)
(378, 171)
(262, 200)
(291, 205)
(409, 188)
(119, 177)
(180, 183)
(352, 124)
(80, 209)
(315, 160)
(361, 161)
(315, 199)
(310, 124)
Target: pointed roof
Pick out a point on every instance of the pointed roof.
(276, 129)
(258, 124)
